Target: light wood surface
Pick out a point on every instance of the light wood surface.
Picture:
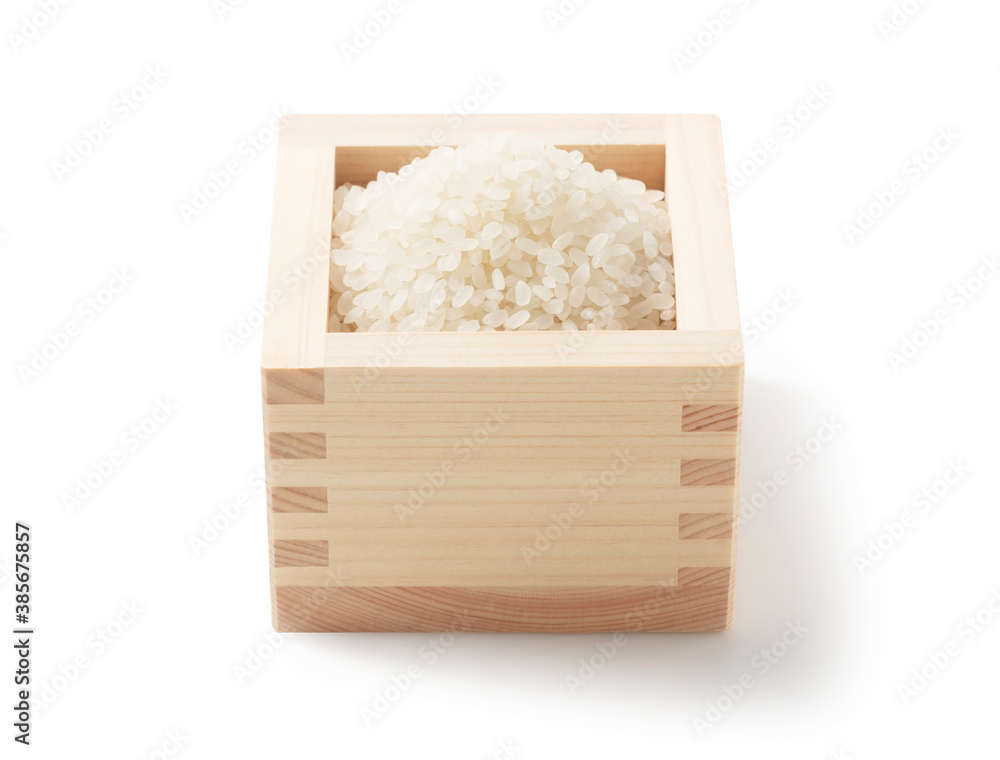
(710, 417)
(705, 606)
(698, 203)
(295, 386)
(412, 133)
(708, 472)
(299, 272)
(301, 553)
(503, 481)
(682, 349)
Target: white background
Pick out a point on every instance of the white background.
(170, 669)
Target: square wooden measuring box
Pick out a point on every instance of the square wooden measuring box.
(506, 481)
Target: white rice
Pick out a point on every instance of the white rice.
(504, 234)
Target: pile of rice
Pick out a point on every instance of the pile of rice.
(506, 233)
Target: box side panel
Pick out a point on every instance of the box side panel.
(369, 354)
(481, 487)
(298, 280)
(696, 607)
(598, 130)
(698, 203)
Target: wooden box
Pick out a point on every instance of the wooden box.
(541, 481)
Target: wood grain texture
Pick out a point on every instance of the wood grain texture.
(601, 133)
(503, 481)
(294, 330)
(512, 555)
(562, 610)
(294, 386)
(708, 472)
(698, 202)
(310, 501)
(705, 576)
(297, 446)
(300, 554)
(632, 506)
(702, 353)
(708, 525)
(710, 418)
